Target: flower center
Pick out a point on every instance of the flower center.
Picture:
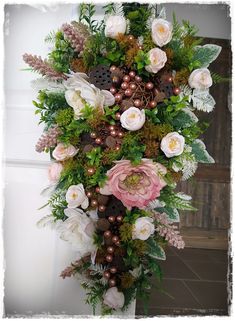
(132, 116)
(161, 29)
(173, 143)
(133, 180)
(74, 195)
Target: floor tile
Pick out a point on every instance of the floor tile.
(209, 270)
(211, 295)
(195, 255)
(176, 295)
(174, 267)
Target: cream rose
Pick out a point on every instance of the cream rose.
(113, 298)
(157, 59)
(115, 25)
(76, 197)
(133, 118)
(143, 228)
(172, 144)
(63, 151)
(54, 171)
(161, 32)
(78, 229)
(200, 79)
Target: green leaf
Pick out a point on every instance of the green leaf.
(155, 250)
(185, 118)
(172, 213)
(200, 152)
(206, 54)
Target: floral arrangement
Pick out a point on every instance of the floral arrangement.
(120, 101)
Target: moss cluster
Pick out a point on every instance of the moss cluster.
(64, 116)
(125, 231)
(127, 280)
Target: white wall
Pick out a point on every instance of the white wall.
(34, 258)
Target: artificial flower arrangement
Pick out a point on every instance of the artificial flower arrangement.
(120, 100)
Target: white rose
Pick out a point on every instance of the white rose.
(63, 151)
(76, 196)
(161, 32)
(200, 79)
(157, 59)
(133, 118)
(115, 25)
(172, 144)
(143, 228)
(113, 298)
(78, 229)
(54, 171)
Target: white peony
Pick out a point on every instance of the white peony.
(76, 197)
(161, 32)
(64, 151)
(157, 59)
(143, 228)
(200, 79)
(172, 144)
(133, 118)
(113, 298)
(78, 229)
(80, 91)
(115, 25)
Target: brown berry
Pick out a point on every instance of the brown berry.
(113, 270)
(111, 219)
(112, 282)
(109, 258)
(107, 234)
(110, 249)
(124, 85)
(106, 275)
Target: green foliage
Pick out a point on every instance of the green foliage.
(183, 43)
(175, 200)
(125, 231)
(72, 131)
(87, 12)
(129, 294)
(217, 79)
(98, 178)
(200, 152)
(141, 60)
(132, 149)
(184, 119)
(110, 114)
(94, 156)
(95, 292)
(48, 104)
(64, 116)
(172, 213)
(98, 240)
(152, 115)
(154, 250)
(62, 54)
(58, 204)
(194, 131)
(137, 14)
(171, 107)
(204, 55)
(50, 38)
(72, 174)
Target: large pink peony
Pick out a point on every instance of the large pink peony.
(135, 186)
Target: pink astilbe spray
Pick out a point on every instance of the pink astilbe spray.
(71, 270)
(75, 38)
(168, 231)
(42, 67)
(48, 139)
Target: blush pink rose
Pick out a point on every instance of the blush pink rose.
(54, 171)
(135, 186)
(63, 152)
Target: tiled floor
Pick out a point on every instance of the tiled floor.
(194, 283)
